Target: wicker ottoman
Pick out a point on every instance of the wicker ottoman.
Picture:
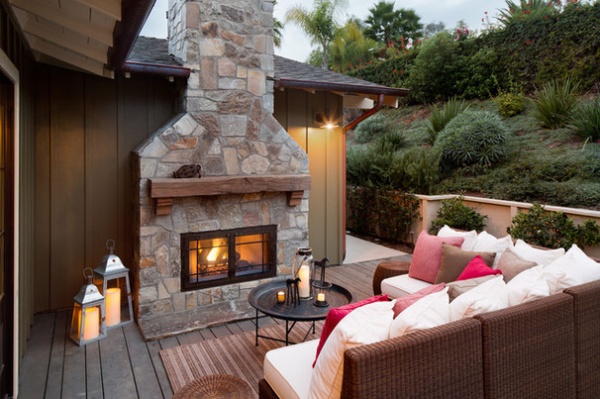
(388, 268)
(215, 386)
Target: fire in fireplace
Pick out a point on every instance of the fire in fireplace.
(214, 258)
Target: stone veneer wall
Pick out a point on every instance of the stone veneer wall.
(229, 129)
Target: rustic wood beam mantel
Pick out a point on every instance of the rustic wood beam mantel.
(163, 190)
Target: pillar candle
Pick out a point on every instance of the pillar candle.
(91, 327)
(304, 284)
(113, 306)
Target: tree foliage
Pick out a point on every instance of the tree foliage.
(392, 27)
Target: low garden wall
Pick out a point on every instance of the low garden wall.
(499, 215)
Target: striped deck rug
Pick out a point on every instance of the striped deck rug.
(234, 354)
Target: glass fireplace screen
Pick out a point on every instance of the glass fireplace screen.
(215, 258)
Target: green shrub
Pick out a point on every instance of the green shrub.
(552, 229)
(370, 128)
(510, 103)
(390, 141)
(473, 137)
(440, 117)
(456, 214)
(388, 214)
(420, 167)
(556, 102)
(368, 167)
(586, 120)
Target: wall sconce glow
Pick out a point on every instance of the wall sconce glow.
(326, 122)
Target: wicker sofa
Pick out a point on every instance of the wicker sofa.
(546, 348)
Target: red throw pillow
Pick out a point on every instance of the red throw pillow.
(427, 256)
(335, 315)
(405, 301)
(477, 268)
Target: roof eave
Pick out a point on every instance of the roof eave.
(341, 87)
(156, 69)
(134, 14)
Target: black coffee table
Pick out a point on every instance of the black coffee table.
(264, 299)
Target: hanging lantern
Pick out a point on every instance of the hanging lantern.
(114, 278)
(88, 323)
(302, 269)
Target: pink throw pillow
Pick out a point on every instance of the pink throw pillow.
(405, 301)
(427, 255)
(477, 268)
(335, 315)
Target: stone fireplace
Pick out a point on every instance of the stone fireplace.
(254, 175)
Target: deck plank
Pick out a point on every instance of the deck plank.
(57, 358)
(161, 374)
(93, 369)
(141, 363)
(117, 373)
(35, 361)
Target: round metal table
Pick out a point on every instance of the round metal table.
(264, 299)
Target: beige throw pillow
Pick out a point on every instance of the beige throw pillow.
(457, 288)
(454, 261)
(512, 264)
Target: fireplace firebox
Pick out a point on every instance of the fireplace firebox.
(215, 258)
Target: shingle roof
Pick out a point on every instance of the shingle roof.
(154, 55)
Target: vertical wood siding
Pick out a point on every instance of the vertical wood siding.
(86, 127)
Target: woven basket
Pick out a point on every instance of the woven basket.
(215, 386)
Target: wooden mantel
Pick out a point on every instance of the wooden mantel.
(163, 190)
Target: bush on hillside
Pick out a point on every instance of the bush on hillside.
(456, 214)
(440, 117)
(371, 128)
(473, 137)
(556, 102)
(586, 120)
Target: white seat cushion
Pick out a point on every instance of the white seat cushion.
(402, 285)
(288, 370)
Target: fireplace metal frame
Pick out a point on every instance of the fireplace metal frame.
(269, 265)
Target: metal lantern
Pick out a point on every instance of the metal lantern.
(88, 324)
(320, 286)
(114, 277)
(302, 269)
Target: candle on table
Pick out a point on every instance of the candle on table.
(321, 297)
(113, 306)
(280, 297)
(91, 324)
(304, 283)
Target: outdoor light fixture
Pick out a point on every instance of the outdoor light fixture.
(115, 286)
(88, 322)
(326, 121)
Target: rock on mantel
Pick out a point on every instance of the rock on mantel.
(163, 190)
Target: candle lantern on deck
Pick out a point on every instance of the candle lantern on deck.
(88, 323)
(114, 277)
(302, 271)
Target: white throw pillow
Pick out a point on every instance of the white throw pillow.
(488, 243)
(486, 297)
(539, 256)
(429, 311)
(364, 325)
(528, 285)
(469, 236)
(573, 268)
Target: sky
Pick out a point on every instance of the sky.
(295, 44)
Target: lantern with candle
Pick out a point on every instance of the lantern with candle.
(88, 323)
(320, 286)
(114, 279)
(302, 269)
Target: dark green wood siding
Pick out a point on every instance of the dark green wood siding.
(86, 128)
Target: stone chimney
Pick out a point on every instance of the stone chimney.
(228, 128)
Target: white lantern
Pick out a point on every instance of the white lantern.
(114, 278)
(88, 321)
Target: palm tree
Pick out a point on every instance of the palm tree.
(392, 27)
(277, 29)
(319, 24)
(350, 47)
(526, 9)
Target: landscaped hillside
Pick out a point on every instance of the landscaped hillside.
(512, 157)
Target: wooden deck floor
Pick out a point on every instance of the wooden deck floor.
(123, 365)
